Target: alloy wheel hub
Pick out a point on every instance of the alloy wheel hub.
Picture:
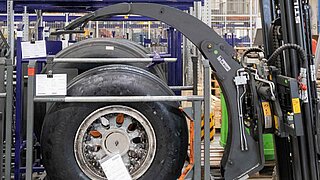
(115, 130)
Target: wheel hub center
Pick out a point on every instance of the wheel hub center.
(117, 142)
(105, 133)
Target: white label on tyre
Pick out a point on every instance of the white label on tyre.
(114, 168)
(51, 86)
(109, 48)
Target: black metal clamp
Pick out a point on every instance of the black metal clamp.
(236, 163)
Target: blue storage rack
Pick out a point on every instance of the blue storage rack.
(175, 75)
(61, 18)
(83, 5)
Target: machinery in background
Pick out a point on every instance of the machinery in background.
(295, 112)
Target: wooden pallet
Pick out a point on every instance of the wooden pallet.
(216, 109)
(215, 92)
(215, 87)
(216, 104)
(216, 153)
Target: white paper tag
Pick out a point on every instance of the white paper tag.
(46, 34)
(114, 168)
(313, 72)
(53, 86)
(109, 48)
(65, 43)
(33, 50)
(19, 33)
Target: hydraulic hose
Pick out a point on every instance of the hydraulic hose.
(278, 51)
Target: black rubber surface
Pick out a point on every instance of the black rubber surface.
(63, 120)
(96, 48)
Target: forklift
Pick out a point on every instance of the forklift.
(275, 94)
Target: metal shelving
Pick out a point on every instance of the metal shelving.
(82, 5)
(197, 103)
(236, 17)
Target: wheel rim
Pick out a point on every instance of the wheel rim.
(115, 130)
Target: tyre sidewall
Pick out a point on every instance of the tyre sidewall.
(58, 141)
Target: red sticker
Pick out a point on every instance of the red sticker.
(31, 71)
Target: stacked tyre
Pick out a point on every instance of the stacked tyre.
(150, 137)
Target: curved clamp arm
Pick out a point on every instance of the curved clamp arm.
(236, 163)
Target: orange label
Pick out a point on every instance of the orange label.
(31, 71)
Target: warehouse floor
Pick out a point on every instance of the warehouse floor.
(216, 154)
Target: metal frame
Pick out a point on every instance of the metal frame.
(9, 91)
(196, 113)
(19, 143)
(2, 108)
(9, 115)
(114, 60)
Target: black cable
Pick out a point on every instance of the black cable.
(278, 51)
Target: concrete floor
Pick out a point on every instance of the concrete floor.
(216, 155)
(266, 174)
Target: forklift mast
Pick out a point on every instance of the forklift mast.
(288, 22)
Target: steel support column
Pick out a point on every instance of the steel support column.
(9, 89)
(207, 107)
(25, 21)
(30, 118)
(2, 109)
(197, 139)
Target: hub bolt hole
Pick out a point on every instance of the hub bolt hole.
(132, 127)
(136, 140)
